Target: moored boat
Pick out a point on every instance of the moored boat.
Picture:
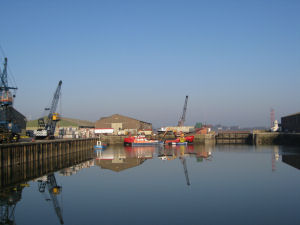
(180, 141)
(99, 145)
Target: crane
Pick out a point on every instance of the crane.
(182, 118)
(53, 190)
(6, 98)
(8, 129)
(47, 129)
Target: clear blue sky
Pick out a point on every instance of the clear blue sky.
(235, 59)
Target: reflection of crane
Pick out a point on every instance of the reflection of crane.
(182, 118)
(8, 201)
(183, 161)
(46, 130)
(53, 190)
(170, 155)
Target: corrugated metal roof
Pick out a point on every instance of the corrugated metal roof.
(126, 117)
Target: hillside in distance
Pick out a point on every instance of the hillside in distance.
(64, 122)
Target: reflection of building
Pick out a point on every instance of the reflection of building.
(121, 159)
(292, 160)
(122, 123)
(170, 152)
(74, 169)
(291, 123)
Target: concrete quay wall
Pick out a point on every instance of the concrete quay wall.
(17, 153)
(29, 170)
(276, 138)
(199, 139)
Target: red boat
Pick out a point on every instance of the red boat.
(188, 139)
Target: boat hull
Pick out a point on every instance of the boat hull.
(187, 140)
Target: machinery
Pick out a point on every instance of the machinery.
(182, 118)
(9, 130)
(47, 128)
(53, 190)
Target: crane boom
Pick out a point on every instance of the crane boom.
(47, 129)
(55, 99)
(51, 122)
(182, 118)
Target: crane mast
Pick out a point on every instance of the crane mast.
(182, 118)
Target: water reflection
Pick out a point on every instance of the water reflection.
(72, 170)
(54, 190)
(11, 194)
(198, 165)
(172, 152)
(291, 158)
(120, 159)
(9, 197)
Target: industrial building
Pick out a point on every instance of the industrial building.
(13, 116)
(184, 129)
(291, 123)
(117, 124)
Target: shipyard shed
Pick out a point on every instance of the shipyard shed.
(291, 123)
(12, 115)
(122, 123)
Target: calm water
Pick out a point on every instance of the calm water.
(187, 185)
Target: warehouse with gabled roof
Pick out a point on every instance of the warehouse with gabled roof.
(118, 123)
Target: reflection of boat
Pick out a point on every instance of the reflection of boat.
(140, 140)
(99, 145)
(145, 152)
(179, 143)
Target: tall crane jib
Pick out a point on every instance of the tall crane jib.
(47, 128)
(182, 118)
(6, 97)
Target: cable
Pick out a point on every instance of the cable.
(3, 53)
(13, 81)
